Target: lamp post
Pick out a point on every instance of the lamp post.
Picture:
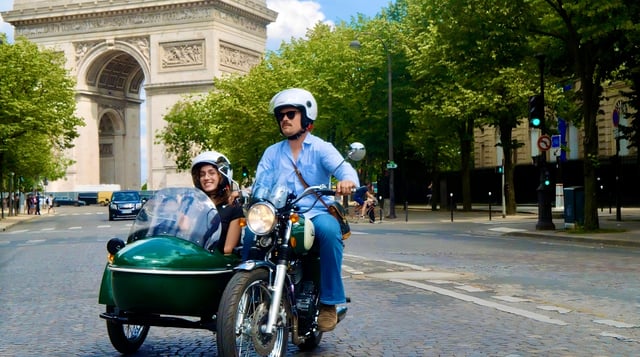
(355, 44)
(545, 218)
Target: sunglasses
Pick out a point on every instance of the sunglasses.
(290, 115)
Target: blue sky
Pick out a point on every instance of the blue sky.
(294, 18)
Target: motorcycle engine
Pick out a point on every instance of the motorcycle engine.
(306, 298)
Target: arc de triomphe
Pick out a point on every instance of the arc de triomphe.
(126, 53)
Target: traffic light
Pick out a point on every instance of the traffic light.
(245, 173)
(547, 180)
(536, 112)
(499, 169)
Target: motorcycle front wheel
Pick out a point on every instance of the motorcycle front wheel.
(244, 310)
(126, 338)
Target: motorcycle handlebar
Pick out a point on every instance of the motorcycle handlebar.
(321, 189)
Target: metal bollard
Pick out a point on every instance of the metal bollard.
(406, 211)
(451, 205)
(489, 205)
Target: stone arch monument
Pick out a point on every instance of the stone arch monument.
(126, 54)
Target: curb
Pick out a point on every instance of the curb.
(580, 239)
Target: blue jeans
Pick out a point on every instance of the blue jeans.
(329, 238)
(247, 243)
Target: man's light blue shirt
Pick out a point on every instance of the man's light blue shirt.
(317, 161)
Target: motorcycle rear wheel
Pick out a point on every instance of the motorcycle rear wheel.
(244, 308)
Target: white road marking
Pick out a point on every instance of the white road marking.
(469, 288)
(613, 323)
(34, 241)
(441, 282)
(482, 302)
(557, 309)
(617, 337)
(47, 229)
(19, 231)
(506, 229)
(76, 227)
(104, 226)
(510, 298)
(351, 270)
(411, 266)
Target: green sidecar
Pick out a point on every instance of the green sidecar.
(168, 273)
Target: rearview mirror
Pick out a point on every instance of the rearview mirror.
(357, 151)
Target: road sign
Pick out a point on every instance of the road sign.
(555, 141)
(392, 165)
(544, 142)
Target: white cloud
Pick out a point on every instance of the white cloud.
(294, 18)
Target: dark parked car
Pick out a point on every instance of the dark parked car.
(90, 198)
(67, 201)
(124, 204)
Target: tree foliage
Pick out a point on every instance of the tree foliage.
(37, 105)
(349, 86)
(469, 58)
(583, 40)
(457, 66)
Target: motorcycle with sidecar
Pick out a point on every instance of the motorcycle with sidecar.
(169, 274)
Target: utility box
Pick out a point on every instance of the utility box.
(573, 206)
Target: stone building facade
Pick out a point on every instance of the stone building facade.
(487, 154)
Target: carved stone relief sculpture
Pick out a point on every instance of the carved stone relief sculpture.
(237, 57)
(182, 54)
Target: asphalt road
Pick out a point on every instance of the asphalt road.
(416, 290)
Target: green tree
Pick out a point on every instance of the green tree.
(468, 56)
(233, 118)
(583, 40)
(37, 105)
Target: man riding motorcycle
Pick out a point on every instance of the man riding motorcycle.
(305, 157)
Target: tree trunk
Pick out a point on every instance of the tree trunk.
(506, 132)
(590, 108)
(466, 144)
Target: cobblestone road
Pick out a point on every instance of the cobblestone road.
(49, 288)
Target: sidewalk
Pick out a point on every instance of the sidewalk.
(7, 222)
(620, 233)
(625, 232)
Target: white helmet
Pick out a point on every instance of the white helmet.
(216, 159)
(295, 97)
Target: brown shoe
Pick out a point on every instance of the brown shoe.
(328, 318)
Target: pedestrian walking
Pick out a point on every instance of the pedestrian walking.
(50, 204)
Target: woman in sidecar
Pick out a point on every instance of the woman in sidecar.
(169, 273)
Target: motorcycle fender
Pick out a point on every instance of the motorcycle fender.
(261, 264)
(106, 293)
(255, 264)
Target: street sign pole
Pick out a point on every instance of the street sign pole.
(545, 219)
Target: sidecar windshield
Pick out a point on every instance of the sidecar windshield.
(182, 212)
(268, 188)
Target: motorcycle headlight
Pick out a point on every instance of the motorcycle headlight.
(261, 218)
